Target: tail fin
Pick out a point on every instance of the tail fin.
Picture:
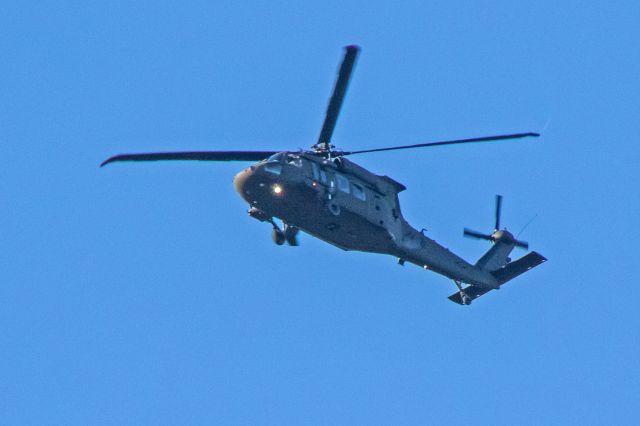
(496, 257)
(503, 242)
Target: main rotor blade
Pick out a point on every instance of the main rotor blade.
(335, 102)
(451, 142)
(193, 155)
(475, 234)
(498, 211)
(522, 244)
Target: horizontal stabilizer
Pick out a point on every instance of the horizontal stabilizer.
(472, 292)
(517, 267)
(508, 272)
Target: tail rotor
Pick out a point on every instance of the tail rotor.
(498, 235)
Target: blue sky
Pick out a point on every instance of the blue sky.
(143, 293)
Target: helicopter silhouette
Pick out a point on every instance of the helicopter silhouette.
(328, 196)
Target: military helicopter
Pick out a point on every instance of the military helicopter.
(328, 196)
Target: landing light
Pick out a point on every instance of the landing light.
(277, 189)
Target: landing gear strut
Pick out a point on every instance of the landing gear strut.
(288, 234)
(466, 300)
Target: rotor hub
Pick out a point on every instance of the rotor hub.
(503, 236)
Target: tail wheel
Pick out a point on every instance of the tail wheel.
(466, 300)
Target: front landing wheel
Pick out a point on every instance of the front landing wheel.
(277, 236)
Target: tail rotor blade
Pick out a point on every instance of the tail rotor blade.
(475, 234)
(503, 236)
(498, 211)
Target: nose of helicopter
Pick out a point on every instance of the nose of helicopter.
(257, 187)
(240, 181)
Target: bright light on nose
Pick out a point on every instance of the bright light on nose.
(277, 189)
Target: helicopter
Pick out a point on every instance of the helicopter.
(321, 192)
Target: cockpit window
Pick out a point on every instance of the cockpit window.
(294, 159)
(315, 171)
(273, 167)
(275, 158)
(323, 176)
(274, 163)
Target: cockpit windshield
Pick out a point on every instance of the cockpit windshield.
(294, 159)
(275, 158)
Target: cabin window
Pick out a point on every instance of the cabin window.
(358, 192)
(315, 172)
(343, 183)
(273, 167)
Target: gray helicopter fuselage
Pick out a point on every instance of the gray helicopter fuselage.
(326, 195)
(344, 204)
